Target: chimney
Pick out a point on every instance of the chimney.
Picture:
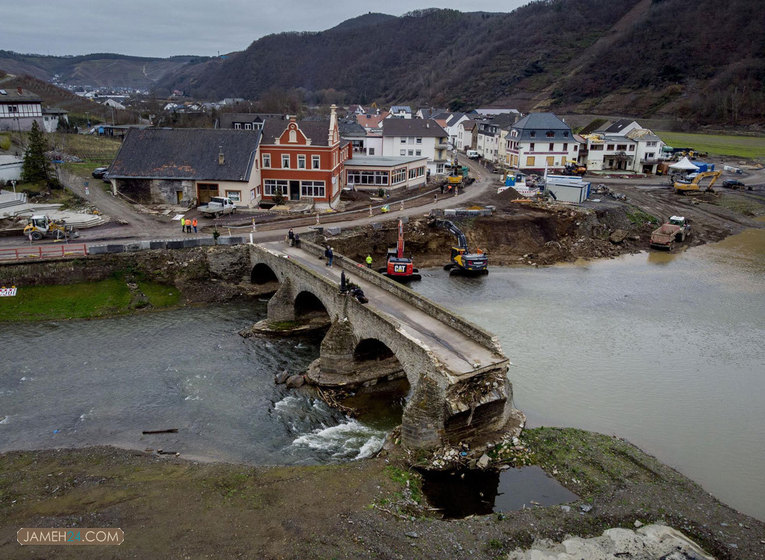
(332, 124)
(221, 158)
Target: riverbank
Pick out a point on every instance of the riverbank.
(174, 508)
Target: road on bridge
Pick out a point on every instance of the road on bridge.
(460, 354)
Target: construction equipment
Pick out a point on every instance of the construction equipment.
(398, 266)
(459, 175)
(574, 168)
(692, 186)
(462, 259)
(42, 226)
(676, 229)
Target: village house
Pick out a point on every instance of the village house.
(303, 160)
(622, 145)
(539, 142)
(187, 166)
(466, 139)
(371, 121)
(400, 112)
(490, 136)
(51, 118)
(19, 108)
(416, 137)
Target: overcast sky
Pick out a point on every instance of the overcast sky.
(163, 28)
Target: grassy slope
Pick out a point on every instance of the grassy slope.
(749, 147)
(77, 301)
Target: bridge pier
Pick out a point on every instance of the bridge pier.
(281, 306)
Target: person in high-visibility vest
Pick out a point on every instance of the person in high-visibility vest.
(194, 224)
(369, 261)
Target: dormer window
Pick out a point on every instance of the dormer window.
(550, 134)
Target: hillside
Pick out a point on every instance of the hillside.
(704, 63)
(96, 70)
(637, 57)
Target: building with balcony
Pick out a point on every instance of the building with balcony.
(418, 138)
(540, 142)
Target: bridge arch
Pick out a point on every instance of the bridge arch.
(261, 273)
(307, 304)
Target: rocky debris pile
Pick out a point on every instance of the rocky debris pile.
(509, 452)
(647, 543)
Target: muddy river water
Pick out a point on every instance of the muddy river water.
(663, 350)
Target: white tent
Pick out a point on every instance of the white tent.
(684, 165)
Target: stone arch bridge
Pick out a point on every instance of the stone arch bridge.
(457, 372)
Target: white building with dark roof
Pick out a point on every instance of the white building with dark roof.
(19, 108)
(539, 142)
(416, 137)
(622, 145)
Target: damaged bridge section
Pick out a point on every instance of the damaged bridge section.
(460, 391)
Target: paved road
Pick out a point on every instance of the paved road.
(459, 353)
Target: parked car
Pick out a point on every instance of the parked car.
(733, 184)
(99, 172)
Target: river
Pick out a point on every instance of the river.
(663, 350)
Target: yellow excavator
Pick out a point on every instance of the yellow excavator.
(693, 186)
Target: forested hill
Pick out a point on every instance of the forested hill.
(704, 61)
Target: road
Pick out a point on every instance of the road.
(129, 224)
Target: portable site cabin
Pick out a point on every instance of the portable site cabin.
(568, 189)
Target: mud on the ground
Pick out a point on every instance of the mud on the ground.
(169, 507)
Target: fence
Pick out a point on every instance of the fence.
(43, 252)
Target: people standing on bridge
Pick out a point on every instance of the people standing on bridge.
(291, 237)
(194, 224)
(369, 261)
(183, 224)
(297, 240)
(331, 256)
(326, 255)
(343, 285)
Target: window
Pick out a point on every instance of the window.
(439, 168)
(531, 147)
(530, 161)
(631, 148)
(266, 160)
(416, 172)
(371, 151)
(610, 147)
(272, 187)
(649, 155)
(357, 177)
(565, 146)
(550, 161)
(312, 188)
(533, 133)
(403, 139)
(301, 161)
(621, 147)
(286, 161)
(552, 146)
(576, 148)
(402, 152)
(565, 134)
(234, 196)
(315, 162)
(410, 153)
(550, 134)
(248, 126)
(650, 144)
(419, 140)
(596, 147)
(418, 152)
(398, 175)
(237, 126)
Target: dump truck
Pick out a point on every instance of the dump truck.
(218, 205)
(676, 229)
(42, 226)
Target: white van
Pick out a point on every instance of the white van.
(472, 154)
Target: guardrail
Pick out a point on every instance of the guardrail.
(43, 252)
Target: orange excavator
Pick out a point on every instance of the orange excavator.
(398, 266)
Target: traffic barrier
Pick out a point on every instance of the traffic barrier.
(44, 252)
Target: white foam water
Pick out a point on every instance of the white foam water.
(348, 440)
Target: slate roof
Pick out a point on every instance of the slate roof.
(13, 96)
(619, 125)
(351, 129)
(227, 120)
(413, 127)
(317, 131)
(543, 122)
(186, 153)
